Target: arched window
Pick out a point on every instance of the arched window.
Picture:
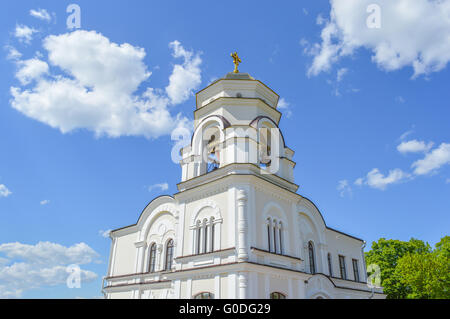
(152, 258)
(169, 255)
(277, 295)
(269, 246)
(204, 232)
(312, 262)
(205, 236)
(199, 237)
(204, 295)
(280, 227)
(330, 268)
(211, 247)
(274, 236)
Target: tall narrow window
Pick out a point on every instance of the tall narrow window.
(342, 267)
(199, 237)
(268, 235)
(212, 234)
(312, 262)
(169, 255)
(205, 237)
(152, 258)
(330, 268)
(355, 269)
(274, 236)
(281, 238)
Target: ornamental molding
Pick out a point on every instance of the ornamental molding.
(207, 203)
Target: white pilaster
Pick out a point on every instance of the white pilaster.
(242, 225)
(243, 285)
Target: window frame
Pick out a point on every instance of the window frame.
(330, 265)
(169, 259)
(355, 265)
(312, 258)
(342, 267)
(152, 258)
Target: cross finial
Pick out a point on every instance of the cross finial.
(236, 61)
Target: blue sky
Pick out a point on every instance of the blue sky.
(365, 109)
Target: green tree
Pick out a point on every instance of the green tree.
(386, 253)
(426, 275)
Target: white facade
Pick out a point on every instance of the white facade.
(238, 230)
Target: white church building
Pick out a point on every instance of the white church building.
(236, 228)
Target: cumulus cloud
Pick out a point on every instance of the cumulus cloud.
(392, 45)
(97, 84)
(376, 179)
(414, 146)
(24, 33)
(41, 14)
(185, 77)
(44, 202)
(44, 264)
(161, 186)
(433, 160)
(30, 70)
(4, 191)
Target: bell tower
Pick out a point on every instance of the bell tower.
(235, 130)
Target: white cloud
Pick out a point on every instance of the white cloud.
(285, 106)
(104, 233)
(30, 70)
(41, 14)
(13, 53)
(359, 181)
(44, 202)
(50, 253)
(344, 188)
(377, 180)
(392, 45)
(24, 33)
(161, 186)
(4, 191)
(185, 77)
(433, 160)
(44, 264)
(98, 92)
(414, 146)
(447, 181)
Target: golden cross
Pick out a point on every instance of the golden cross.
(236, 61)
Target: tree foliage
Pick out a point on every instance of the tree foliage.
(412, 269)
